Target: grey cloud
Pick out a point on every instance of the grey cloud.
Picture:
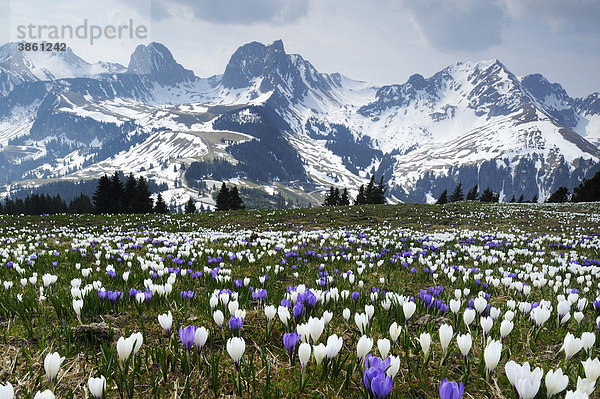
(245, 12)
(560, 15)
(469, 25)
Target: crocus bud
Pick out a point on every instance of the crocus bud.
(236, 347)
(52, 365)
(363, 347)
(166, 322)
(97, 386)
(304, 354)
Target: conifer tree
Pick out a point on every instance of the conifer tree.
(235, 201)
(81, 204)
(473, 193)
(380, 189)
(443, 198)
(360, 198)
(330, 197)
(160, 206)
(128, 194)
(190, 206)
(521, 199)
(457, 194)
(489, 196)
(560, 195)
(116, 190)
(142, 202)
(370, 193)
(223, 198)
(534, 200)
(588, 190)
(345, 198)
(102, 195)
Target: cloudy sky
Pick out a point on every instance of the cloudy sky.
(379, 41)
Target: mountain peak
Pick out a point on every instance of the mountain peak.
(51, 65)
(277, 46)
(156, 60)
(250, 61)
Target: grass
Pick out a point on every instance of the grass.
(31, 328)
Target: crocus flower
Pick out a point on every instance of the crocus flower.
(166, 322)
(235, 323)
(52, 365)
(425, 341)
(363, 347)
(592, 369)
(556, 382)
(408, 308)
(319, 352)
(304, 354)
(136, 341)
(270, 312)
(236, 347)
(200, 338)
(289, 342)
(47, 394)
(377, 382)
(465, 342)
(446, 333)
(218, 317)
(571, 345)
(395, 331)
(124, 348)
(97, 386)
(7, 391)
(186, 336)
(588, 339)
(334, 345)
(505, 328)
(451, 390)
(523, 380)
(491, 355)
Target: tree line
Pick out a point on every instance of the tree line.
(488, 195)
(44, 204)
(587, 191)
(113, 196)
(372, 193)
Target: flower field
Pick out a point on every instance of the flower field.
(405, 301)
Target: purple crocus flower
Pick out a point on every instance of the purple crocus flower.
(355, 295)
(381, 385)
(378, 383)
(235, 323)
(289, 341)
(186, 336)
(286, 303)
(113, 296)
(451, 390)
(298, 311)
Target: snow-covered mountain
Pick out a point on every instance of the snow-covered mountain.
(276, 122)
(39, 65)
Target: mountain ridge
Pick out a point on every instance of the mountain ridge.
(341, 129)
